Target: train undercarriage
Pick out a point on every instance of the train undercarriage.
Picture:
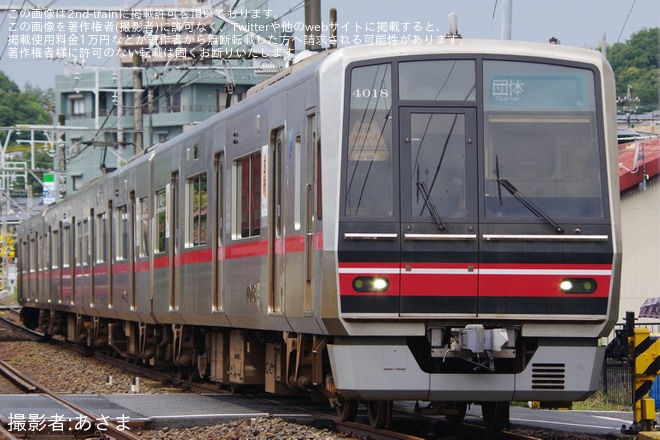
(281, 362)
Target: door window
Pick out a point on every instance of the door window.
(438, 165)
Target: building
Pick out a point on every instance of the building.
(176, 68)
(639, 176)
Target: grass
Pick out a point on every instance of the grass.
(599, 402)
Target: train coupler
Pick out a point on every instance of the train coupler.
(471, 341)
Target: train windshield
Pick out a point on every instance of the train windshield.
(536, 131)
(370, 176)
(541, 141)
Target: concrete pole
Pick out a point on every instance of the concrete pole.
(507, 17)
(313, 24)
(137, 104)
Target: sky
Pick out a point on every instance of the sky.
(580, 23)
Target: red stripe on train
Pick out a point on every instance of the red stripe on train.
(488, 280)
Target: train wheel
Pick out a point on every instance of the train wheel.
(380, 413)
(347, 410)
(495, 415)
(456, 415)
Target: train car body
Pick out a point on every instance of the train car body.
(404, 222)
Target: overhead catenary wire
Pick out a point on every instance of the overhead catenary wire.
(632, 6)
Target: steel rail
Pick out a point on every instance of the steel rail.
(111, 430)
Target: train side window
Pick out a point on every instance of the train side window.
(100, 238)
(121, 239)
(142, 241)
(297, 182)
(24, 256)
(247, 178)
(45, 262)
(196, 192)
(85, 242)
(66, 246)
(55, 258)
(79, 245)
(40, 252)
(161, 220)
(33, 254)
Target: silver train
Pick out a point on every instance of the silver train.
(409, 222)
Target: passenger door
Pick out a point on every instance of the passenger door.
(439, 217)
(277, 238)
(218, 234)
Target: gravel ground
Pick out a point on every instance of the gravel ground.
(70, 373)
(67, 372)
(259, 428)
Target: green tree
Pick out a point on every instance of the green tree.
(636, 63)
(7, 85)
(30, 107)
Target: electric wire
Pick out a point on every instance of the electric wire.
(4, 49)
(626, 20)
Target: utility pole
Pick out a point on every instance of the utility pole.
(61, 157)
(507, 17)
(313, 25)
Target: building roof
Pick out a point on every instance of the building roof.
(637, 159)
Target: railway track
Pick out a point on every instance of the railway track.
(85, 422)
(25, 425)
(406, 426)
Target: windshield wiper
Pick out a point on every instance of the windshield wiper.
(528, 203)
(421, 186)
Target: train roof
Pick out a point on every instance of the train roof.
(446, 46)
(348, 54)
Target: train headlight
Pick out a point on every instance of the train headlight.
(578, 285)
(371, 284)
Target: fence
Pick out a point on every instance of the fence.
(616, 380)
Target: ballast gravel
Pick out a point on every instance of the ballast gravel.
(67, 372)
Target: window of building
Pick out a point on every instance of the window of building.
(78, 106)
(76, 182)
(226, 100)
(174, 101)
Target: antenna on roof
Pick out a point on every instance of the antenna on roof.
(453, 26)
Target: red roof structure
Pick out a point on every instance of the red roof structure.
(638, 159)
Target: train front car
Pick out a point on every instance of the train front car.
(477, 247)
